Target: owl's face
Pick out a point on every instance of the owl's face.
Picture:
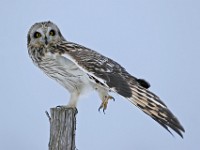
(43, 34)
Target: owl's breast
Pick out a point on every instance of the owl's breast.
(64, 71)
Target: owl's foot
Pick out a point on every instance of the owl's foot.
(105, 102)
(64, 107)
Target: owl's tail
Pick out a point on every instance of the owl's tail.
(151, 104)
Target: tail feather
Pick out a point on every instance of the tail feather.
(151, 104)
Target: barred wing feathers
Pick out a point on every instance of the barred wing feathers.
(151, 104)
(114, 77)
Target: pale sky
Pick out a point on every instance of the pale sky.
(155, 40)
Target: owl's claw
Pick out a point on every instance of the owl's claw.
(63, 107)
(105, 103)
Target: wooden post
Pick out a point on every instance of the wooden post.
(62, 128)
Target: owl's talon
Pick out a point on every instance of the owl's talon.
(105, 103)
(100, 108)
(112, 98)
(104, 110)
(63, 107)
(59, 106)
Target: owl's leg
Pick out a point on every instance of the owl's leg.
(72, 102)
(105, 97)
(73, 99)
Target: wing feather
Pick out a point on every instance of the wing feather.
(104, 69)
(114, 77)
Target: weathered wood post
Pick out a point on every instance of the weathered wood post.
(62, 128)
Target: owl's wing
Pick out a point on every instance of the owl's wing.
(104, 70)
(111, 75)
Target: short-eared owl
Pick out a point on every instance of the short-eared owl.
(79, 69)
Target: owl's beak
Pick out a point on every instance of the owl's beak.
(45, 40)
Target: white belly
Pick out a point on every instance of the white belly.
(66, 73)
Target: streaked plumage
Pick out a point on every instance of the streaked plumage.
(80, 69)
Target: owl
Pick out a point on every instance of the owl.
(81, 70)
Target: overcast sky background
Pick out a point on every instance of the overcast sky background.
(157, 40)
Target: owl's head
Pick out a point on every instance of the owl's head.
(43, 34)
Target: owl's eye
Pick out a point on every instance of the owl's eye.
(52, 33)
(37, 35)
